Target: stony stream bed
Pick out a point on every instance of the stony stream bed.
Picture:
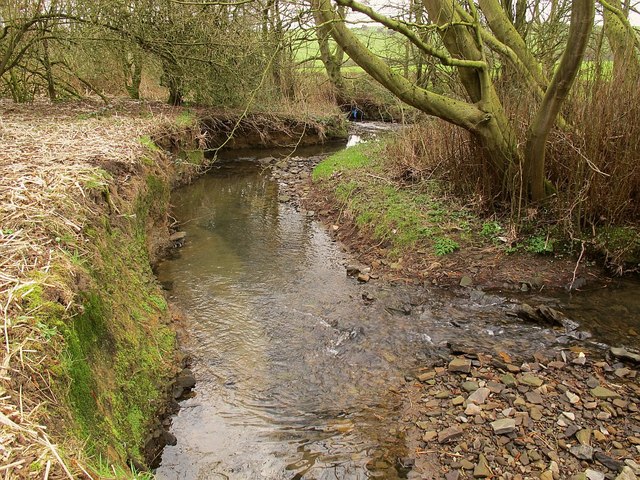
(305, 372)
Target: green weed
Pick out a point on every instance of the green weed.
(444, 246)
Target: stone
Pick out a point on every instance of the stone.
(535, 413)
(459, 400)
(604, 393)
(572, 397)
(466, 464)
(503, 426)
(363, 277)
(633, 465)
(621, 372)
(594, 474)
(472, 409)
(625, 354)
(479, 396)
(508, 379)
(584, 436)
(466, 281)
(546, 475)
(627, 474)
(470, 386)
(449, 434)
(177, 236)
(460, 365)
(482, 469)
(532, 380)
(423, 377)
(534, 397)
(607, 461)
(582, 452)
(452, 475)
(428, 436)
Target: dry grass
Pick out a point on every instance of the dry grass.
(48, 159)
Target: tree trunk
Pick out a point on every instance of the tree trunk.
(623, 41)
(582, 16)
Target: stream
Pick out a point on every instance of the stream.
(297, 363)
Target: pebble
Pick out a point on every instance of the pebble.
(450, 434)
(482, 469)
(529, 379)
(461, 365)
(627, 474)
(503, 426)
(604, 393)
(582, 452)
(479, 396)
(594, 474)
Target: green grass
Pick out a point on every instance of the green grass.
(347, 159)
(405, 219)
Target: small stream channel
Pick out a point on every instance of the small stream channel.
(296, 370)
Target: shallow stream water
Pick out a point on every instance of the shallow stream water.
(296, 369)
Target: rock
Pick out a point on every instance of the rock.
(527, 312)
(572, 397)
(283, 198)
(546, 475)
(552, 316)
(479, 396)
(353, 270)
(621, 372)
(633, 465)
(461, 365)
(482, 469)
(428, 436)
(177, 236)
(607, 461)
(582, 452)
(466, 281)
(452, 475)
(459, 400)
(470, 386)
(169, 438)
(472, 409)
(503, 426)
(466, 464)
(449, 434)
(508, 379)
(186, 379)
(627, 474)
(625, 354)
(604, 393)
(534, 397)
(594, 474)
(363, 277)
(529, 379)
(423, 377)
(535, 413)
(584, 436)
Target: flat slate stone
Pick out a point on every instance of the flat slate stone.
(532, 380)
(503, 426)
(449, 434)
(604, 393)
(462, 365)
(582, 452)
(479, 396)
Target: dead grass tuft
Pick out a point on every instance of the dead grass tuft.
(48, 163)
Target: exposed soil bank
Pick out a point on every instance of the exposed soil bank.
(88, 347)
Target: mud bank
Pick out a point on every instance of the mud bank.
(89, 351)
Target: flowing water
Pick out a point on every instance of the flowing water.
(297, 369)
